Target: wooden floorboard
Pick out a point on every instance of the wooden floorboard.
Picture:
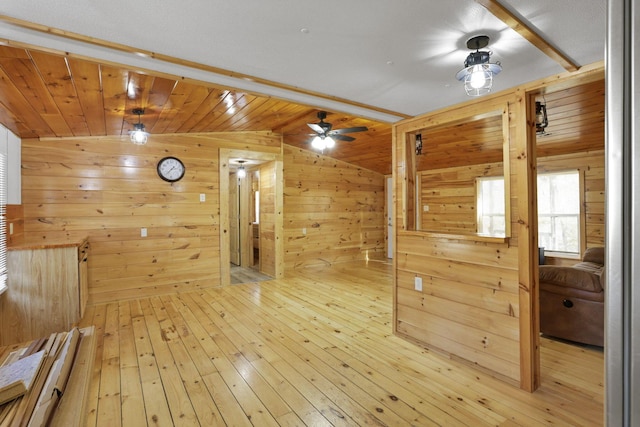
(246, 275)
(313, 349)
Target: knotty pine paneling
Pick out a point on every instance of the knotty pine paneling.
(469, 305)
(459, 310)
(450, 195)
(340, 206)
(46, 95)
(478, 298)
(14, 216)
(108, 189)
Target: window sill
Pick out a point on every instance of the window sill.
(3, 289)
(561, 255)
(450, 236)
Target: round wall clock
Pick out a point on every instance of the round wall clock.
(170, 169)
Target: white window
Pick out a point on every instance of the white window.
(559, 211)
(490, 205)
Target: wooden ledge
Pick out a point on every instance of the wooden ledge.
(452, 236)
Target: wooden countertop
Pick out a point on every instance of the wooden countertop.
(26, 244)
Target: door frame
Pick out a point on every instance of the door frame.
(223, 184)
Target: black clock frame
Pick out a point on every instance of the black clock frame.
(162, 160)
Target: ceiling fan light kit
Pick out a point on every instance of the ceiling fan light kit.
(325, 137)
(478, 72)
(322, 143)
(138, 135)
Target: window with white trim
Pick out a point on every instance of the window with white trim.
(559, 211)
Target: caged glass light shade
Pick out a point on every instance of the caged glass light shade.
(241, 172)
(478, 73)
(138, 135)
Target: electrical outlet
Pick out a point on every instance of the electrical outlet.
(417, 285)
(425, 208)
(203, 197)
(10, 228)
(304, 231)
(143, 232)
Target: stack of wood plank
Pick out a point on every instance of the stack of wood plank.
(44, 382)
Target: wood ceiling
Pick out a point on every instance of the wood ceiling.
(43, 95)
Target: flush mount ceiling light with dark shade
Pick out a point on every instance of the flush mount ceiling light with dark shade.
(325, 137)
(542, 121)
(138, 135)
(478, 72)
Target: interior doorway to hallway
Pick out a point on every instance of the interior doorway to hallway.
(251, 202)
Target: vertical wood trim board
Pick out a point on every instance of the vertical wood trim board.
(268, 221)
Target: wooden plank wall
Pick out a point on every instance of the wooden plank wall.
(478, 298)
(107, 188)
(574, 139)
(15, 215)
(340, 206)
(450, 195)
(472, 316)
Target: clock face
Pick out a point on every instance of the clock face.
(170, 169)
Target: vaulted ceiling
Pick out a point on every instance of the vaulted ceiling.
(68, 68)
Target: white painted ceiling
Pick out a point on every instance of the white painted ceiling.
(397, 55)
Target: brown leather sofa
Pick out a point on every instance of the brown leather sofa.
(572, 299)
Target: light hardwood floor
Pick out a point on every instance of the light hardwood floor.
(313, 349)
(246, 275)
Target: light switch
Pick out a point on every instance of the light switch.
(418, 283)
(202, 197)
(143, 232)
(304, 231)
(425, 208)
(10, 228)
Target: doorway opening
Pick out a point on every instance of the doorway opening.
(250, 216)
(244, 224)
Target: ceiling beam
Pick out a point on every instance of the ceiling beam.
(520, 27)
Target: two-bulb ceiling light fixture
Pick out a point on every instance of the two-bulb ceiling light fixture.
(138, 135)
(478, 72)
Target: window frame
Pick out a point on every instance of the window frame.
(582, 237)
(409, 217)
(480, 210)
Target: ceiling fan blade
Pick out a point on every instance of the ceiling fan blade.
(350, 130)
(317, 129)
(342, 137)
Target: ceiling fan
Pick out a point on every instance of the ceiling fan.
(325, 136)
